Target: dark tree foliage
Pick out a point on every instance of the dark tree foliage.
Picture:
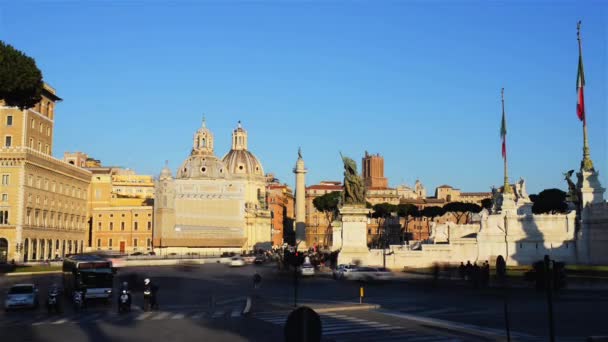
(486, 203)
(20, 78)
(550, 201)
(328, 204)
(460, 209)
(405, 210)
(383, 210)
(533, 198)
(368, 205)
(432, 211)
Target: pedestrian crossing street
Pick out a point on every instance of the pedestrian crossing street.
(342, 327)
(39, 318)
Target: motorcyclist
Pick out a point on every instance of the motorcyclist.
(78, 299)
(149, 295)
(52, 301)
(124, 298)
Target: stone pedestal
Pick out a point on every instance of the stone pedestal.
(336, 228)
(354, 235)
(507, 203)
(591, 191)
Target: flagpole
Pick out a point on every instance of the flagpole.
(587, 163)
(506, 186)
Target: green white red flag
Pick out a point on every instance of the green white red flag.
(580, 85)
(503, 134)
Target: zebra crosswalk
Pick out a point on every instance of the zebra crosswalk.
(343, 327)
(85, 317)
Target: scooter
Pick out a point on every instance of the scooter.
(124, 302)
(52, 303)
(78, 301)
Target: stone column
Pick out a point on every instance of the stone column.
(354, 235)
(300, 227)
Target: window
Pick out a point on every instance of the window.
(47, 149)
(39, 146)
(9, 120)
(48, 131)
(8, 140)
(98, 243)
(5, 179)
(134, 242)
(98, 225)
(135, 226)
(148, 243)
(3, 216)
(33, 123)
(122, 226)
(110, 243)
(4, 197)
(111, 225)
(41, 127)
(31, 142)
(149, 225)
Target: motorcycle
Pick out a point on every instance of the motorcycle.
(78, 300)
(52, 303)
(124, 302)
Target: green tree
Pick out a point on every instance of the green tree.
(486, 203)
(383, 210)
(409, 212)
(460, 209)
(432, 212)
(20, 78)
(328, 204)
(550, 201)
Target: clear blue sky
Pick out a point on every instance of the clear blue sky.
(418, 82)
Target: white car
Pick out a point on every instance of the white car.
(21, 296)
(307, 270)
(341, 270)
(369, 274)
(236, 261)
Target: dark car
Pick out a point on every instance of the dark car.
(260, 259)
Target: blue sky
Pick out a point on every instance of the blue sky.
(418, 82)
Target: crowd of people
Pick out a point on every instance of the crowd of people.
(478, 276)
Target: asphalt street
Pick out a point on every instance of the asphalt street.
(207, 301)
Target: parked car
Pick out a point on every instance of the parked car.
(137, 254)
(21, 296)
(341, 270)
(237, 261)
(307, 270)
(249, 259)
(369, 274)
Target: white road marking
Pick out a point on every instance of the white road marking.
(60, 321)
(143, 316)
(178, 316)
(161, 315)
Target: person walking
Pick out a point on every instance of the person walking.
(461, 271)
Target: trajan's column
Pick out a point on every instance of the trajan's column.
(300, 172)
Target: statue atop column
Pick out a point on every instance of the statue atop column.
(572, 190)
(354, 189)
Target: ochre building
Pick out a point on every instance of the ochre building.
(43, 200)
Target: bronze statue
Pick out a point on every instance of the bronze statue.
(354, 189)
(572, 193)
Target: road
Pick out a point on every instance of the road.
(208, 300)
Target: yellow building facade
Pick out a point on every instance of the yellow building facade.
(120, 207)
(43, 200)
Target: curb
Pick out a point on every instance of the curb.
(15, 274)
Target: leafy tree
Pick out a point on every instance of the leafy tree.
(460, 209)
(432, 211)
(550, 201)
(21, 80)
(328, 204)
(533, 198)
(406, 210)
(368, 205)
(383, 210)
(486, 203)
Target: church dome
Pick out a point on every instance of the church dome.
(166, 173)
(243, 162)
(202, 162)
(202, 166)
(239, 161)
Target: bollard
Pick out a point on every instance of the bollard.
(361, 294)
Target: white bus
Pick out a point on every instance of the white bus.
(88, 272)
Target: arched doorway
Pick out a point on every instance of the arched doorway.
(50, 251)
(3, 250)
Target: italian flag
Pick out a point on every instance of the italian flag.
(580, 85)
(503, 135)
